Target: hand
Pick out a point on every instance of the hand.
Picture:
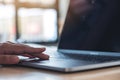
(9, 52)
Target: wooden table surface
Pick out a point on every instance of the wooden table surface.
(23, 73)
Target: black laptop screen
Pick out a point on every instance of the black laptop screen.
(92, 25)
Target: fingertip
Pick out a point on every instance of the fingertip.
(47, 56)
(43, 49)
(15, 60)
(44, 56)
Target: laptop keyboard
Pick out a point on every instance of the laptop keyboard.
(94, 58)
(102, 58)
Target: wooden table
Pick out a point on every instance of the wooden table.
(23, 73)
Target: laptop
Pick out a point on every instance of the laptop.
(90, 39)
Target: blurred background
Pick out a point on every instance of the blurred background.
(31, 19)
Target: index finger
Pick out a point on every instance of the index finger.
(30, 50)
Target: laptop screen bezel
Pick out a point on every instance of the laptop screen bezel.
(90, 52)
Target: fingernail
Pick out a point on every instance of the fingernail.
(43, 49)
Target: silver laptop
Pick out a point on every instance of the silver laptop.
(90, 39)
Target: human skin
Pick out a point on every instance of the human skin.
(9, 52)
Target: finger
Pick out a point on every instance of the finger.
(9, 48)
(8, 59)
(41, 56)
(34, 50)
(27, 55)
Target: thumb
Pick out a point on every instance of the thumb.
(8, 59)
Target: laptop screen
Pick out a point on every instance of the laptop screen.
(91, 25)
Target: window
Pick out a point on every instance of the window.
(37, 24)
(9, 19)
(37, 20)
(14, 13)
(7, 25)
